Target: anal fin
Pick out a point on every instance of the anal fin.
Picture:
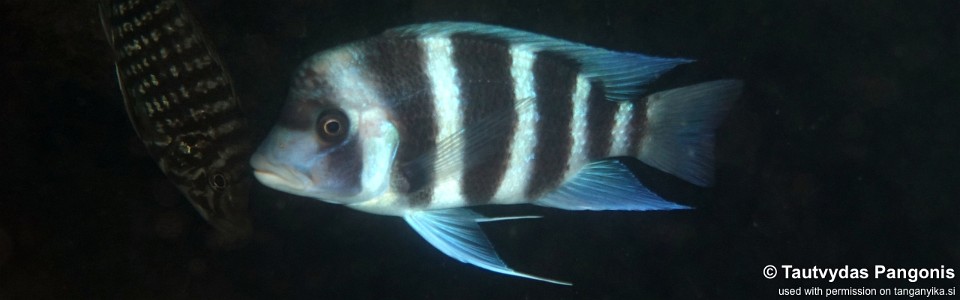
(456, 233)
(605, 185)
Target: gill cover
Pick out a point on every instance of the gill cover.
(335, 154)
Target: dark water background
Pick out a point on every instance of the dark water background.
(842, 151)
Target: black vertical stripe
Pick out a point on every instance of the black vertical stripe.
(638, 123)
(346, 165)
(310, 94)
(555, 78)
(601, 116)
(486, 88)
(398, 67)
(299, 113)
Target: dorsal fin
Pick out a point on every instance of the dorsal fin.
(623, 74)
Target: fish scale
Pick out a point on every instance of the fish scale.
(181, 102)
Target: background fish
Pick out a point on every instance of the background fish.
(427, 119)
(182, 104)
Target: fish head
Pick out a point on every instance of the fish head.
(330, 143)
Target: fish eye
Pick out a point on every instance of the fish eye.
(218, 181)
(332, 126)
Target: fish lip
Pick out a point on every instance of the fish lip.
(276, 181)
(278, 177)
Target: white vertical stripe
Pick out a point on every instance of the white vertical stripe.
(621, 130)
(524, 137)
(348, 83)
(448, 114)
(578, 126)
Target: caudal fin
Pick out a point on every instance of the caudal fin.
(679, 135)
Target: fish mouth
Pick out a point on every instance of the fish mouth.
(273, 180)
(278, 177)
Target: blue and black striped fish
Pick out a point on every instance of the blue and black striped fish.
(425, 120)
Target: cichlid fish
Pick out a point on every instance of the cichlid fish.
(425, 120)
(182, 104)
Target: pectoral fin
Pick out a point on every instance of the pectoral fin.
(455, 233)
